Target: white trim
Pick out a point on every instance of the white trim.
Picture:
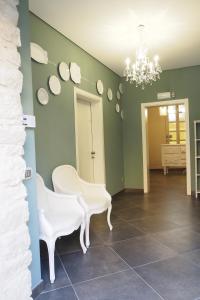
(86, 96)
(145, 142)
(145, 151)
(196, 157)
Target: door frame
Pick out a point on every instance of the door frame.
(92, 98)
(145, 150)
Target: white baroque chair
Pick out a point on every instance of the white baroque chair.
(59, 215)
(93, 197)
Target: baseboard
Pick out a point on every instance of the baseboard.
(118, 193)
(38, 289)
(193, 195)
(133, 191)
(129, 190)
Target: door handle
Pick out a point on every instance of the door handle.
(93, 154)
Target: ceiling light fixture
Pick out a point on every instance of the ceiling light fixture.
(143, 71)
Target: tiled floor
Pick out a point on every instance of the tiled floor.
(152, 253)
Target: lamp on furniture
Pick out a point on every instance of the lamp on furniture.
(59, 215)
(93, 197)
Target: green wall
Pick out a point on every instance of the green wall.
(186, 84)
(29, 147)
(55, 133)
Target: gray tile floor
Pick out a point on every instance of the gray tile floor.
(152, 253)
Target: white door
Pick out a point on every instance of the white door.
(85, 140)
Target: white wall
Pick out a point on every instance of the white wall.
(15, 278)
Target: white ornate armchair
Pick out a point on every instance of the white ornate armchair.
(59, 215)
(93, 197)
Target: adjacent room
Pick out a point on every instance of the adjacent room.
(166, 130)
(100, 150)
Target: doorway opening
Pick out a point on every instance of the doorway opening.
(166, 142)
(89, 132)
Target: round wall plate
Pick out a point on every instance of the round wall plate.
(63, 71)
(110, 94)
(38, 54)
(100, 87)
(121, 88)
(42, 96)
(118, 95)
(75, 73)
(117, 107)
(54, 85)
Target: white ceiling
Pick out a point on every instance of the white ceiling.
(107, 29)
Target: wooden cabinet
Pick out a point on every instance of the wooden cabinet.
(173, 155)
(176, 124)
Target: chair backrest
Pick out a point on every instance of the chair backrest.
(66, 180)
(42, 199)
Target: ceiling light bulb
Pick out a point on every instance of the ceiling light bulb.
(156, 58)
(127, 61)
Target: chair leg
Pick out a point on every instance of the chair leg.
(108, 217)
(51, 250)
(81, 238)
(87, 231)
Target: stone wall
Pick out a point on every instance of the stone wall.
(15, 256)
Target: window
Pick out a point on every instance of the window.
(176, 124)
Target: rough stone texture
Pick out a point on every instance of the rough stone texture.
(15, 256)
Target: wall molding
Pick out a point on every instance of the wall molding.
(134, 191)
(129, 190)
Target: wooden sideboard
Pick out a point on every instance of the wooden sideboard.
(173, 156)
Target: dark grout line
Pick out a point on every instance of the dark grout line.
(68, 277)
(101, 276)
(139, 276)
(148, 285)
(80, 250)
(65, 253)
(56, 289)
(151, 262)
(188, 259)
(188, 206)
(155, 261)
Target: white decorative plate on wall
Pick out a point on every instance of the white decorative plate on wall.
(100, 87)
(39, 54)
(63, 71)
(54, 85)
(122, 114)
(75, 73)
(117, 107)
(110, 94)
(118, 95)
(121, 88)
(43, 96)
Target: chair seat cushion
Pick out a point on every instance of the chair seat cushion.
(63, 222)
(96, 202)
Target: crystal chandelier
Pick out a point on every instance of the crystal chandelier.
(143, 71)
